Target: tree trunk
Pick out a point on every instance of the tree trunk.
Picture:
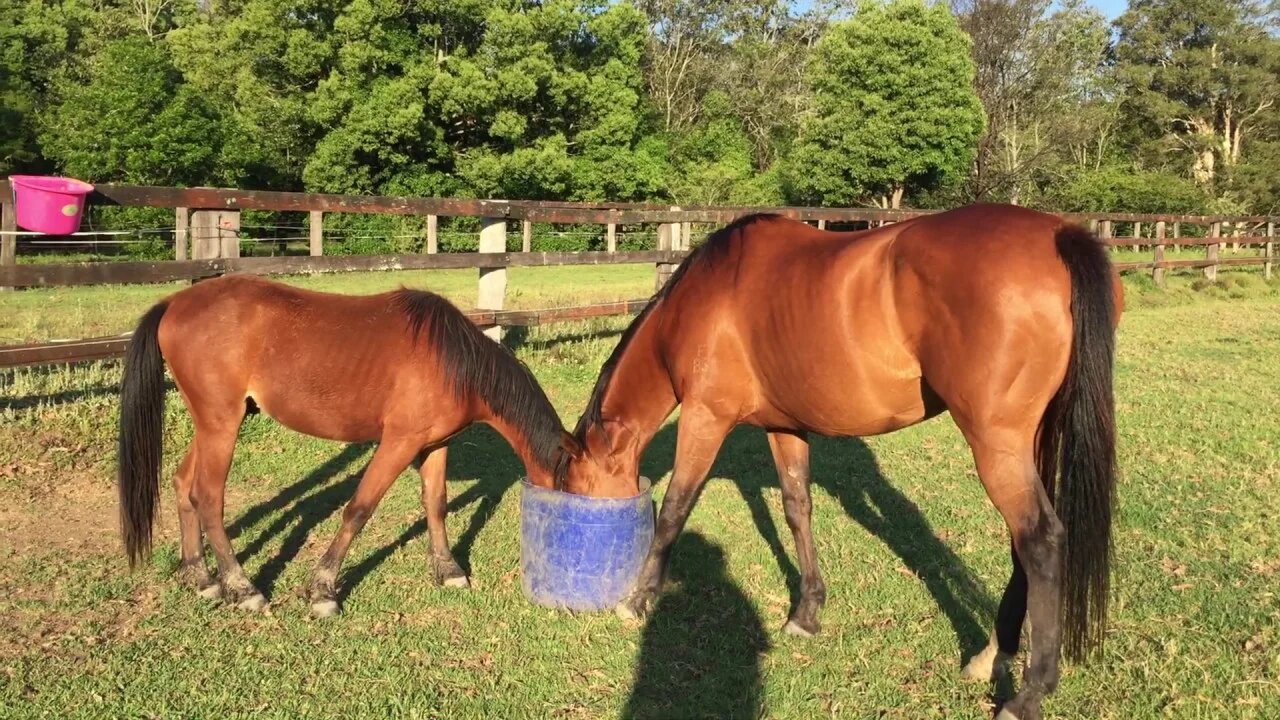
(897, 197)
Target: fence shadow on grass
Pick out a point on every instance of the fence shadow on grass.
(518, 336)
(846, 469)
(702, 644)
(302, 507)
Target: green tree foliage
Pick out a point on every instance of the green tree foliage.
(894, 107)
(1041, 80)
(132, 120)
(258, 63)
(713, 161)
(36, 38)
(1200, 79)
(752, 102)
(1124, 189)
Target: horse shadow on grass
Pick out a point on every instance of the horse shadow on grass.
(700, 654)
(846, 469)
(301, 507)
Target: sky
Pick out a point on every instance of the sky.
(1111, 9)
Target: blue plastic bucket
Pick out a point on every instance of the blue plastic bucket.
(582, 553)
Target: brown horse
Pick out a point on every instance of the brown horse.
(1002, 316)
(405, 368)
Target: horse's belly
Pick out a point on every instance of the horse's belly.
(841, 410)
(321, 415)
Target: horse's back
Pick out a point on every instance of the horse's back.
(856, 333)
(322, 363)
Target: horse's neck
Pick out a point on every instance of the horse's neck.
(520, 442)
(637, 400)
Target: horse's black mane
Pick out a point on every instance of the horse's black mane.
(478, 366)
(714, 250)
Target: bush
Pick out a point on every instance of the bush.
(1120, 189)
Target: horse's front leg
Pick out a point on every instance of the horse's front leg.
(698, 440)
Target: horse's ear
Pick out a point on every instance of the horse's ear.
(570, 445)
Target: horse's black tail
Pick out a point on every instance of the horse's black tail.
(141, 436)
(1078, 435)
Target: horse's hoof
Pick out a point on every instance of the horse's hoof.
(253, 603)
(631, 608)
(458, 581)
(794, 629)
(324, 608)
(1006, 715)
(986, 666)
(212, 591)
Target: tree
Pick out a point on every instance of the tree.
(36, 39)
(1199, 77)
(894, 107)
(1040, 79)
(686, 41)
(713, 161)
(132, 120)
(259, 65)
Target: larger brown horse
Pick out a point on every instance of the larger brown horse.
(1002, 316)
(405, 368)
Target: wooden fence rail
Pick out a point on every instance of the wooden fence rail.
(218, 209)
(103, 273)
(101, 348)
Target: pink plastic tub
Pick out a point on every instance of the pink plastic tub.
(50, 205)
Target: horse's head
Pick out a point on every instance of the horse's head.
(591, 466)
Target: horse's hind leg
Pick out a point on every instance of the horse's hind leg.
(193, 569)
(216, 443)
(435, 506)
(389, 460)
(791, 456)
(1006, 465)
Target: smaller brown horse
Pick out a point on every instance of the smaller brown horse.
(405, 368)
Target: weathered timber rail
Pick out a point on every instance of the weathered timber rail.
(108, 273)
(216, 211)
(112, 346)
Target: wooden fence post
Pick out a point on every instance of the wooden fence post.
(493, 281)
(662, 269)
(181, 219)
(526, 236)
(686, 235)
(1106, 229)
(1177, 233)
(315, 230)
(1157, 272)
(9, 225)
(215, 234)
(1215, 232)
(1137, 235)
(611, 237)
(1270, 250)
(433, 234)
(822, 224)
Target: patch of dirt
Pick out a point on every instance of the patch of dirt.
(28, 629)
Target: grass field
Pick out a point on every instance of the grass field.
(914, 555)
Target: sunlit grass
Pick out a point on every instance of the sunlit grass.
(915, 556)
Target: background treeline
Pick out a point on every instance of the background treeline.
(1173, 107)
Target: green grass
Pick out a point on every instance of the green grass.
(914, 556)
(77, 312)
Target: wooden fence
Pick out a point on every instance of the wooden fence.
(215, 212)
